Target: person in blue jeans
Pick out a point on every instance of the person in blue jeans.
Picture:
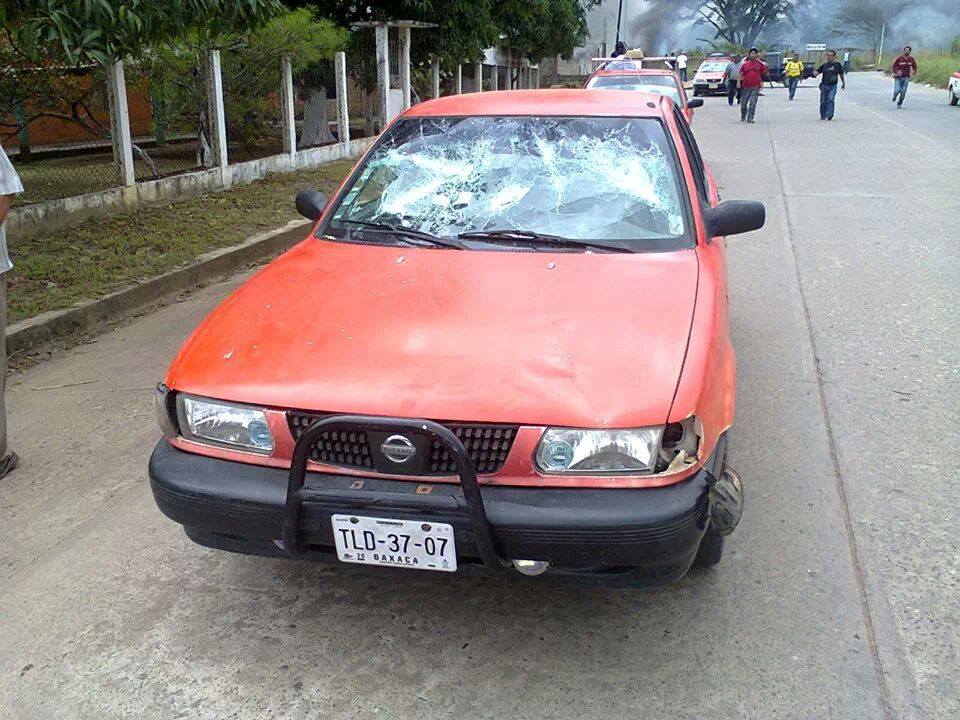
(831, 78)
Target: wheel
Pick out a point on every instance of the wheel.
(953, 97)
(710, 550)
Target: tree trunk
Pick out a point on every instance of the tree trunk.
(316, 126)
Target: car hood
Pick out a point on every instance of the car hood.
(575, 339)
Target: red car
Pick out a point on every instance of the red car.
(659, 82)
(503, 347)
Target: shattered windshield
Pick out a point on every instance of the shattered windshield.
(713, 66)
(655, 84)
(582, 178)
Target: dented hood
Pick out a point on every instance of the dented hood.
(588, 340)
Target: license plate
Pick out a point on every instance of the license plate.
(713, 86)
(411, 544)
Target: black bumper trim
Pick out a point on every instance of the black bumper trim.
(240, 507)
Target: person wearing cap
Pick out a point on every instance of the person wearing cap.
(9, 186)
(751, 80)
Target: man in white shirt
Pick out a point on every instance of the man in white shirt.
(9, 185)
(682, 65)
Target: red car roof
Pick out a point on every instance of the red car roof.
(644, 71)
(543, 102)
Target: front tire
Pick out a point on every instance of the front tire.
(954, 100)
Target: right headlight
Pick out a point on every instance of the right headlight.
(219, 423)
(566, 450)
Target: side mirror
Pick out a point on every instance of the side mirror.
(695, 102)
(311, 203)
(732, 217)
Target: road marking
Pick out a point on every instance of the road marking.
(865, 611)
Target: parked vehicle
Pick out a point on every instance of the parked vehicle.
(708, 79)
(503, 347)
(953, 88)
(776, 62)
(657, 82)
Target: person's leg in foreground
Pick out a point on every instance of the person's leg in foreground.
(748, 103)
(731, 91)
(831, 100)
(8, 460)
(794, 81)
(902, 83)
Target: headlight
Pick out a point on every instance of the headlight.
(563, 450)
(222, 423)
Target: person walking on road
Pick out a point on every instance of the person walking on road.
(902, 67)
(794, 73)
(9, 185)
(731, 74)
(682, 65)
(751, 80)
(830, 74)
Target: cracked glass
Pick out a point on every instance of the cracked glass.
(584, 178)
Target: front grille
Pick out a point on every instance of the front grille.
(347, 448)
(487, 446)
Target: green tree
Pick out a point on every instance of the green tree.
(741, 22)
(79, 32)
(47, 40)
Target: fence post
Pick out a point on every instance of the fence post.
(217, 121)
(536, 77)
(459, 82)
(383, 73)
(289, 119)
(478, 76)
(343, 113)
(404, 32)
(120, 124)
(436, 78)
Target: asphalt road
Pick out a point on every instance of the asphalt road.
(839, 596)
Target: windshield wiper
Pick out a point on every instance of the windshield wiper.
(424, 238)
(528, 237)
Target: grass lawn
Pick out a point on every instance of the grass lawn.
(102, 256)
(936, 69)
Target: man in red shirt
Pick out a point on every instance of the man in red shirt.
(903, 66)
(751, 80)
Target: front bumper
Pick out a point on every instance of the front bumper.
(703, 88)
(642, 536)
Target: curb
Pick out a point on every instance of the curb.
(40, 329)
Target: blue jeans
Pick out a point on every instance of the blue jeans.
(792, 84)
(828, 94)
(900, 88)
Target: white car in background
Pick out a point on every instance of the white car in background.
(953, 88)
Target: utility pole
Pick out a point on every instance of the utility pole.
(619, 15)
(883, 31)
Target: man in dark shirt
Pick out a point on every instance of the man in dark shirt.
(751, 80)
(830, 74)
(902, 68)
